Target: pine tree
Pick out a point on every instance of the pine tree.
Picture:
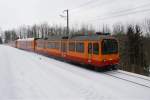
(1, 40)
(136, 61)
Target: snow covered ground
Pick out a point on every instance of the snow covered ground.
(29, 76)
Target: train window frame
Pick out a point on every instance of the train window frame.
(80, 47)
(72, 46)
(97, 51)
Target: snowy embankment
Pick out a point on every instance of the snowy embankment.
(29, 76)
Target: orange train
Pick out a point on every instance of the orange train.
(99, 51)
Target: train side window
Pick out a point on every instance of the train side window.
(50, 45)
(71, 46)
(63, 47)
(96, 48)
(90, 48)
(80, 47)
(56, 45)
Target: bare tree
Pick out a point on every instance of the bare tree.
(35, 31)
(44, 29)
(147, 25)
(10, 35)
(106, 29)
(118, 28)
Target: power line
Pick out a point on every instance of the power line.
(130, 13)
(120, 15)
(84, 4)
(126, 10)
(105, 2)
(129, 10)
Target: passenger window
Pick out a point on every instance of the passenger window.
(57, 45)
(53, 45)
(72, 46)
(63, 47)
(80, 47)
(90, 48)
(96, 48)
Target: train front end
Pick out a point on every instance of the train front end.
(109, 53)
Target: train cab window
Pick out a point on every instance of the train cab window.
(80, 47)
(109, 46)
(96, 48)
(71, 46)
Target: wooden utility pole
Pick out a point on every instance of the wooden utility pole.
(67, 12)
(67, 22)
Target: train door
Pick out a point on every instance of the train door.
(93, 51)
(89, 52)
(64, 48)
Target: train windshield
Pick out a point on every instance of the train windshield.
(109, 46)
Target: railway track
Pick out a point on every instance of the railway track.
(130, 78)
(133, 76)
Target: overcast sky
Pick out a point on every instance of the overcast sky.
(14, 13)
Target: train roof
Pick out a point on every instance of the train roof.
(82, 37)
(79, 37)
(91, 37)
(26, 39)
(57, 37)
